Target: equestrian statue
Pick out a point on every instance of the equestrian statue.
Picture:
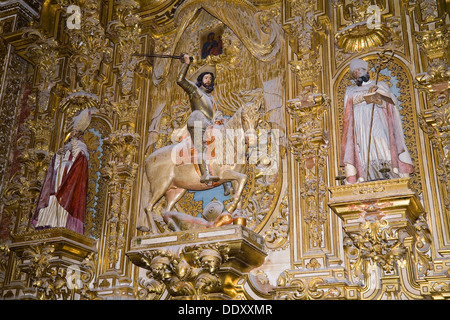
(214, 153)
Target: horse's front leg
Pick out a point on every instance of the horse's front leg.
(238, 180)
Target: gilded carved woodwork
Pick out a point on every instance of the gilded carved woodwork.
(309, 144)
(308, 140)
(307, 236)
(45, 50)
(363, 26)
(124, 31)
(33, 161)
(120, 174)
(16, 203)
(385, 226)
(434, 42)
(90, 47)
(209, 264)
(433, 83)
(290, 287)
(363, 32)
(157, 16)
(4, 257)
(195, 279)
(59, 264)
(305, 32)
(277, 236)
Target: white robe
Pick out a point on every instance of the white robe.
(380, 145)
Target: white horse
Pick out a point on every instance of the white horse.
(172, 180)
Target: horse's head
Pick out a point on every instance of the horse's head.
(250, 116)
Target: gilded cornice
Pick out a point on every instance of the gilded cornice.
(157, 16)
(30, 7)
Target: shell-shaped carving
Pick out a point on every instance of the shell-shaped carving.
(358, 37)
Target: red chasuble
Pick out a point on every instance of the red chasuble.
(71, 194)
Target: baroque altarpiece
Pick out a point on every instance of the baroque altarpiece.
(302, 231)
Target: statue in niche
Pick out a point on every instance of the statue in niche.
(63, 197)
(372, 144)
(203, 164)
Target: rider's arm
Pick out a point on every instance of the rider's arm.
(187, 85)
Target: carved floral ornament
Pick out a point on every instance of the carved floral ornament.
(309, 111)
(45, 52)
(315, 288)
(387, 245)
(52, 278)
(434, 42)
(190, 272)
(436, 80)
(383, 237)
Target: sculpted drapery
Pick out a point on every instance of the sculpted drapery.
(263, 45)
(63, 197)
(387, 146)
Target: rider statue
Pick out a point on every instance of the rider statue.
(203, 113)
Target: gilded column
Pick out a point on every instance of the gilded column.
(309, 145)
(120, 172)
(315, 273)
(432, 40)
(21, 165)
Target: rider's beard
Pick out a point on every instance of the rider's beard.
(208, 89)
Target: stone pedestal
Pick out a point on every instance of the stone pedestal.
(197, 264)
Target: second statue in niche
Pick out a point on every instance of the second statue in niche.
(62, 200)
(372, 143)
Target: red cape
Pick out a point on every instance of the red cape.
(71, 194)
